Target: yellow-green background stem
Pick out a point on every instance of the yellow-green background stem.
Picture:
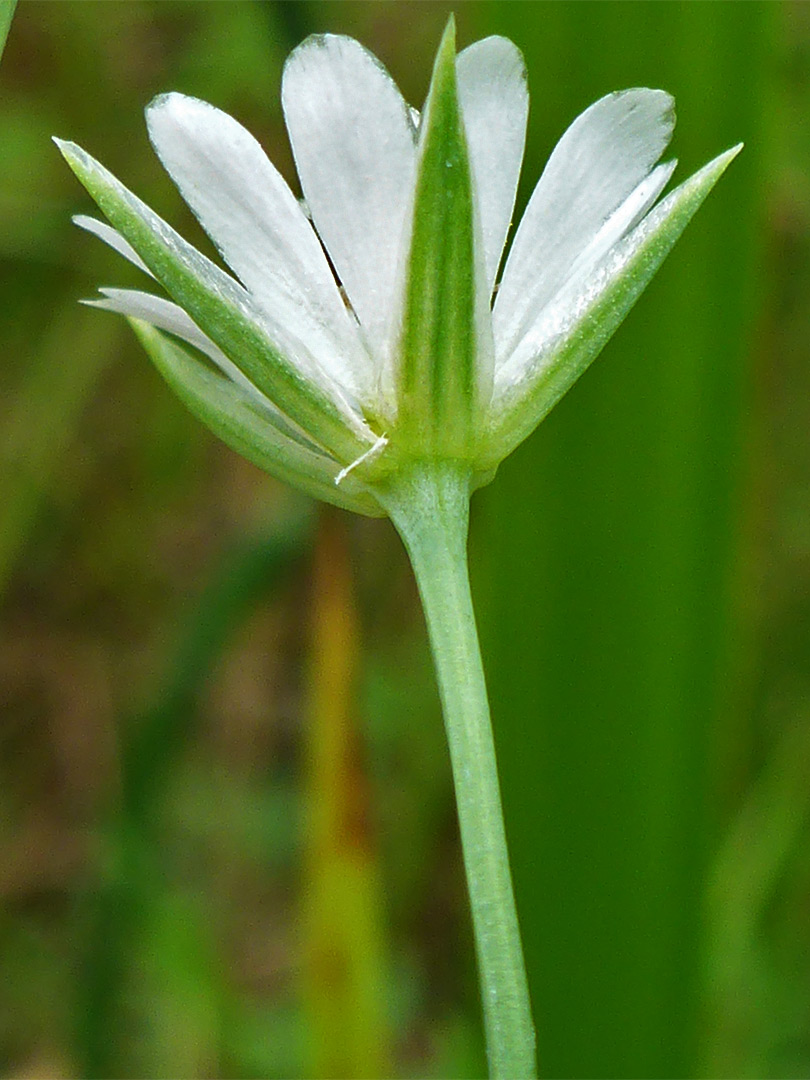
(430, 508)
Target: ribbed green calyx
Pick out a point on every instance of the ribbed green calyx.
(437, 388)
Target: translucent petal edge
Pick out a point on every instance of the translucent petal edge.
(232, 416)
(591, 318)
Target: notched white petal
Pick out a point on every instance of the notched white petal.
(600, 160)
(494, 99)
(248, 210)
(582, 318)
(618, 225)
(268, 350)
(353, 141)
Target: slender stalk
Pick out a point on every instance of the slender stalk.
(430, 508)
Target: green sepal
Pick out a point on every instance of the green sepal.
(518, 409)
(241, 423)
(6, 15)
(440, 370)
(222, 309)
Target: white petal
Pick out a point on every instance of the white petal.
(619, 224)
(266, 349)
(112, 237)
(581, 319)
(166, 315)
(249, 212)
(353, 141)
(495, 106)
(600, 160)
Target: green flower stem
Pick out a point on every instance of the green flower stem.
(430, 508)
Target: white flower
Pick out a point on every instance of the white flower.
(363, 329)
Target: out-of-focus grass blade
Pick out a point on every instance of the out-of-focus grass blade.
(245, 577)
(610, 539)
(117, 913)
(770, 829)
(177, 963)
(6, 15)
(42, 419)
(344, 957)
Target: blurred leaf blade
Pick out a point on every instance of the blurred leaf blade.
(41, 424)
(611, 540)
(123, 911)
(344, 953)
(769, 830)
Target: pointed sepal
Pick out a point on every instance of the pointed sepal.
(444, 360)
(268, 353)
(581, 319)
(241, 423)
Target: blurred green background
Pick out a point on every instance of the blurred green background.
(227, 834)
